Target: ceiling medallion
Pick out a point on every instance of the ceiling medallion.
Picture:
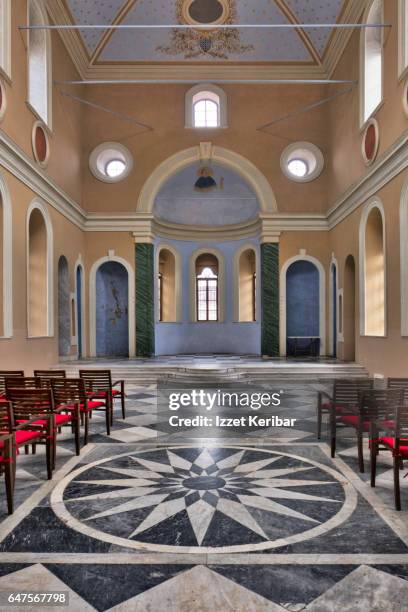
(209, 42)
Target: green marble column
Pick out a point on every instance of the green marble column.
(144, 300)
(270, 298)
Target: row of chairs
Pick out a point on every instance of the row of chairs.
(33, 410)
(382, 414)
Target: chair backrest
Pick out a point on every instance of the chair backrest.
(6, 417)
(5, 373)
(399, 383)
(68, 390)
(401, 422)
(346, 390)
(30, 402)
(46, 376)
(380, 403)
(96, 380)
(22, 382)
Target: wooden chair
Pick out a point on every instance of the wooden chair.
(372, 405)
(99, 385)
(32, 415)
(22, 382)
(71, 391)
(345, 391)
(3, 375)
(46, 376)
(7, 462)
(399, 383)
(395, 440)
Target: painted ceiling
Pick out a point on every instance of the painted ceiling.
(300, 46)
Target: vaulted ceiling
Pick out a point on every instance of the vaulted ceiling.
(301, 51)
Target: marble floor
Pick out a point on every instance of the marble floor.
(232, 518)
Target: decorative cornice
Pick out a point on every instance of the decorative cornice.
(16, 161)
(391, 163)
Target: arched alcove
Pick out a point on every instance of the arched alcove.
(349, 309)
(80, 311)
(372, 271)
(112, 313)
(247, 286)
(64, 308)
(39, 272)
(6, 262)
(168, 285)
(333, 309)
(302, 298)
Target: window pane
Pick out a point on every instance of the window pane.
(206, 113)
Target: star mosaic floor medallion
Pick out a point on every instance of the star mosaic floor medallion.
(204, 499)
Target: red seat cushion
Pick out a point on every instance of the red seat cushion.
(22, 437)
(388, 424)
(353, 421)
(59, 419)
(390, 442)
(91, 405)
(103, 393)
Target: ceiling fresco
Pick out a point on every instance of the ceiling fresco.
(206, 46)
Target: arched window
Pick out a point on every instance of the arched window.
(403, 35)
(167, 293)
(247, 286)
(5, 36)
(207, 287)
(372, 269)
(206, 107)
(39, 273)
(372, 60)
(39, 63)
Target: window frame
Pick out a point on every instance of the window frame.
(363, 118)
(193, 96)
(48, 121)
(402, 38)
(5, 38)
(207, 281)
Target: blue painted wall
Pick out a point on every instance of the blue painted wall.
(233, 201)
(189, 337)
(112, 318)
(302, 299)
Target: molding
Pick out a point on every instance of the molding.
(234, 161)
(92, 302)
(339, 41)
(322, 300)
(404, 258)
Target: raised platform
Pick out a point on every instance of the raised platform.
(218, 368)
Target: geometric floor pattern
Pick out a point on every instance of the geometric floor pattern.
(149, 518)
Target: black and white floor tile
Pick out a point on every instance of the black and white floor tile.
(241, 521)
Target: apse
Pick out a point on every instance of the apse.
(112, 317)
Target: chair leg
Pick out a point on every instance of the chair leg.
(108, 417)
(397, 493)
(77, 436)
(319, 422)
(49, 451)
(123, 405)
(34, 449)
(373, 461)
(9, 488)
(333, 434)
(26, 449)
(360, 452)
(86, 431)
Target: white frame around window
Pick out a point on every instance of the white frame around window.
(402, 37)
(48, 68)
(364, 114)
(206, 91)
(5, 37)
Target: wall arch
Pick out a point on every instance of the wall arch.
(64, 308)
(236, 272)
(7, 256)
(404, 258)
(80, 322)
(365, 327)
(333, 306)
(322, 301)
(349, 309)
(221, 282)
(48, 325)
(177, 278)
(92, 302)
(170, 166)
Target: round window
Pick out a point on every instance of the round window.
(302, 162)
(111, 162)
(40, 143)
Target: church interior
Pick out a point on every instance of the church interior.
(203, 194)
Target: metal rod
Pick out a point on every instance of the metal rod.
(304, 109)
(216, 81)
(223, 26)
(107, 110)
